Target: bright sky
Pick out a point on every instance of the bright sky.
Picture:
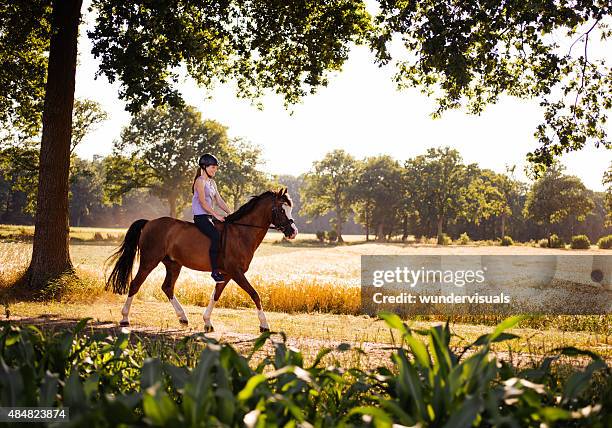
(361, 112)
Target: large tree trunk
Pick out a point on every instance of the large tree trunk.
(50, 255)
(503, 225)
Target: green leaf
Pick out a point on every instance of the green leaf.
(320, 355)
(249, 388)
(74, 395)
(159, 407)
(552, 414)
(260, 342)
(80, 325)
(380, 418)
(506, 324)
(578, 382)
(394, 321)
(466, 414)
(418, 349)
(151, 373)
(12, 385)
(178, 375)
(48, 390)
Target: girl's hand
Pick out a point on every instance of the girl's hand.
(220, 218)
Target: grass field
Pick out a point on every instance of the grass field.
(319, 283)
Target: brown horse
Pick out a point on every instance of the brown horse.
(177, 243)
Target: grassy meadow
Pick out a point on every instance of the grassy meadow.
(306, 280)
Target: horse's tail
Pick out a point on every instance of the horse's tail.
(121, 275)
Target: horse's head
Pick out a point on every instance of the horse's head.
(281, 214)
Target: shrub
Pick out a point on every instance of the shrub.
(444, 239)
(464, 239)
(543, 243)
(332, 236)
(580, 242)
(124, 381)
(321, 235)
(506, 241)
(98, 237)
(605, 242)
(555, 242)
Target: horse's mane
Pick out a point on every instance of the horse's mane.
(248, 206)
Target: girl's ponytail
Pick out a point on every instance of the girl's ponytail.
(197, 174)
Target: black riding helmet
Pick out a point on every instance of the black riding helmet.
(207, 159)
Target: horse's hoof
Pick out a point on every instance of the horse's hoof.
(263, 329)
(124, 324)
(208, 329)
(184, 322)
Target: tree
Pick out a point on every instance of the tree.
(19, 170)
(470, 53)
(285, 47)
(25, 33)
(327, 188)
(490, 195)
(377, 195)
(240, 176)
(18, 166)
(556, 197)
(437, 184)
(86, 189)
(159, 150)
(21, 153)
(86, 115)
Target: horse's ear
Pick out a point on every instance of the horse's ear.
(285, 191)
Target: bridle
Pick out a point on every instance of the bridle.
(275, 213)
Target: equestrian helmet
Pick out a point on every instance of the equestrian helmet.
(207, 160)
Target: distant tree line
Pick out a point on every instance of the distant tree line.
(437, 193)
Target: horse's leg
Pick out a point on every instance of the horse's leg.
(214, 298)
(144, 270)
(173, 269)
(246, 286)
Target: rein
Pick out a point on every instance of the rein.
(250, 225)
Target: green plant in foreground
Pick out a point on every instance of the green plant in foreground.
(436, 387)
(126, 380)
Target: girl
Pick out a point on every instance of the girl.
(204, 195)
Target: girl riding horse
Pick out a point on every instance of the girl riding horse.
(177, 243)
